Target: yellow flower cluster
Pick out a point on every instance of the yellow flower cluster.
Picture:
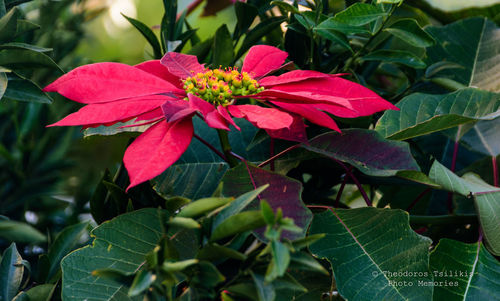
(218, 86)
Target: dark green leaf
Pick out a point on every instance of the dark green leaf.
(285, 6)
(283, 192)
(395, 56)
(472, 43)
(304, 261)
(267, 212)
(409, 31)
(365, 150)
(279, 261)
(245, 13)
(42, 292)
(364, 244)
(484, 137)
(214, 251)
(21, 89)
(24, 26)
(26, 58)
(254, 35)
(3, 83)
(14, 231)
(8, 25)
(148, 34)
(64, 243)
(487, 205)
(121, 244)
(335, 36)
(223, 47)
(265, 290)
(359, 14)
(241, 222)
(16, 45)
(142, 281)
(427, 113)
(468, 270)
(11, 273)
(332, 24)
(435, 68)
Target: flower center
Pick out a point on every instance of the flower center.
(219, 86)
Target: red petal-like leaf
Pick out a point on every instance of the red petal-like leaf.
(310, 113)
(283, 192)
(304, 97)
(156, 149)
(156, 68)
(290, 77)
(105, 82)
(262, 59)
(181, 65)
(263, 118)
(361, 107)
(296, 132)
(210, 114)
(175, 110)
(111, 112)
(223, 112)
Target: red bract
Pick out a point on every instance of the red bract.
(166, 94)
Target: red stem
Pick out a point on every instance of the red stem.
(211, 147)
(282, 153)
(355, 180)
(319, 207)
(271, 152)
(419, 197)
(339, 193)
(191, 7)
(495, 170)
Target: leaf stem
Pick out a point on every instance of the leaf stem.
(495, 170)
(282, 153)
(211, 147)
(271, 152)
(341, 190)
(355, 180)
(418, 198)
(226, 148)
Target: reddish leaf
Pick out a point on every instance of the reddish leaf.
(156, 149)
(310, 113)
(262, 59)
(283, 192)
(263, 118)
(210, 114)
(156, 68)
(182, 65)
(105, 82)
(291, 77)
(304, 97)
(111, 112)
(296, 132)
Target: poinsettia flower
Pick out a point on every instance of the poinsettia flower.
(167, 93)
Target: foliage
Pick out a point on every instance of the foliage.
(401, 205)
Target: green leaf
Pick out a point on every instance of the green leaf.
(184, 222)
(435, 68)
(202, 206)
(148, 34)
(245, 13)
(332, 24)
(395, 56)
(267, 212)
(8, 25)
(485, 200)
(409, 31)
(42, 292)
(423, 114)
(142, 281)
(15, 45)
(283, 192)
(365, 150)
(265, 291)
(20, 232)
(214, 251)
(468, 269)
(223, 48)
(359, 14)
(121, 244)
(21, 89)
(484, 137)
(64, 243)
(285, 6)
(3, 10)
(254, 35)
(3, 83)
(241, 222)
(370, 250)
(24, 26)
(279, 261)
(11, 273)
(472, 43)
(335, 36)
(304, 261)
(26, 58)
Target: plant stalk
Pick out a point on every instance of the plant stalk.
(226, 148)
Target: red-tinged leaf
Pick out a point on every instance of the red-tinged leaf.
(182, 65)
(366, 150)
(224, 113)
(283, 192)
(263, 118)
(152, 115)
(175, 110)
(291, 77)
(310, 113)
(304, 97)
(262, 59)
(361, 107)
(296, 132)
(105, 113)
(156, 149)
(106, 82)
(210, 114)
(155, 67)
